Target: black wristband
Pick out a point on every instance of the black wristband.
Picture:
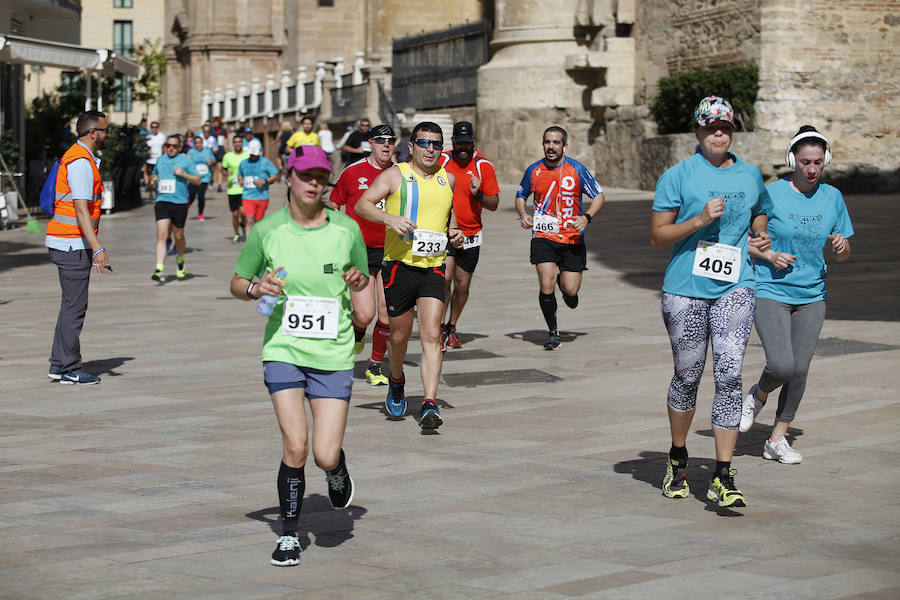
(588, 217)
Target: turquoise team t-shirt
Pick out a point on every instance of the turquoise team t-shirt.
(314, 260)
(800, 225)
(165, 170)
(687, 187)
(260, 169)
(200, 157)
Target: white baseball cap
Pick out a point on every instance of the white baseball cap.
(254, 148)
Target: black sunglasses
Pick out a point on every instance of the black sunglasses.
(384, 140)
(423, 143)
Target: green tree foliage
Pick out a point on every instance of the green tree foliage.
(125, 147)
(148, 87)
(9, 148)
(49, 120)
(673, 108)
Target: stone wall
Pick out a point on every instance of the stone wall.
(229, 41)
(834, 65)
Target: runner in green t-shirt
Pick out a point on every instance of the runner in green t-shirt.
(230, 163)
(308, 343)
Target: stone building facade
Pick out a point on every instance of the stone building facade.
(118, 26)
(592, 66)
(213, 43)
(589, 65)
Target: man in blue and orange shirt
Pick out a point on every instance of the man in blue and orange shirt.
(73, 243)
(557, 244)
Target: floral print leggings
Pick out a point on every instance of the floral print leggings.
(691, 322)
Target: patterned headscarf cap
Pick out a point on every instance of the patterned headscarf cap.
(713, 108)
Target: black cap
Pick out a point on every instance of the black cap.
(382, 131)
(463, 132)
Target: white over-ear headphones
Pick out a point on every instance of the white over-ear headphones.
(791, 161)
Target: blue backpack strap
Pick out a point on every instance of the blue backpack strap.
(48, 192)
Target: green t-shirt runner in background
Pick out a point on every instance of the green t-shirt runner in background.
(231, 161)
(314, 260)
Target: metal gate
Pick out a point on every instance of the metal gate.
(438, 69)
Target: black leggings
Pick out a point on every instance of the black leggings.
(199, 192)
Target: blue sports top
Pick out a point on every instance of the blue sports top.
(165, 170)
(687, 187)
(800, 225)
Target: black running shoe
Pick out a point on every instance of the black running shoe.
(552, 342)
(340, 486)
(431, 418)
(287, 552)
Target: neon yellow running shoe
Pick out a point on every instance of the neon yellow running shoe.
(374, 374)
(674, 484)
(358, 346)
(723, 491)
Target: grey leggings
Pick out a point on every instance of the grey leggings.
(691, 323)
(789, 333)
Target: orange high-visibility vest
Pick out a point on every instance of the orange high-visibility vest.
(64, 224)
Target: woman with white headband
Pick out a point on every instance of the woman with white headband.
(809, 216)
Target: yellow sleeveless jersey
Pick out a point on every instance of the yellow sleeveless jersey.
(427, 203)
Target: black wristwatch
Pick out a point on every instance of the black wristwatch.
(588, 217)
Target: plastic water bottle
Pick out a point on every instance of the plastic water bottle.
(267, 303)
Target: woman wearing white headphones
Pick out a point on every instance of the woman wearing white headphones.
(809, 216)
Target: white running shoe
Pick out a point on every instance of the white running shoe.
(749, 410)
(781, 451)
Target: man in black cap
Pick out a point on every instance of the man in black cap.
(476, 188)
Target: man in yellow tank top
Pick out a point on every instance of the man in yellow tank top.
(417, 213)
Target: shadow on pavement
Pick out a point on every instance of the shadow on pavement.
(106, 366)
(751, 443)
(864, 288)
(539, 336)
(328, 526)
(30, 255)
(651, 468)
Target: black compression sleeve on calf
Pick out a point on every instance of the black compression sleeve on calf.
(548, 307)
(291, 487)
(677, 453)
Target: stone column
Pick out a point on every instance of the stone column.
(376, 73)
(525, 88)
(326, 85)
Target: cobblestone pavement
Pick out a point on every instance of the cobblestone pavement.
(544, 482)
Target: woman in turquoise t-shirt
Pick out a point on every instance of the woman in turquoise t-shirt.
(809, 216)
(308, 345)
(704, 207)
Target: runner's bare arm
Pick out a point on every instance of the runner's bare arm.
(664, 231)
(269, 284)
(383, 186)
(595, 207)
(524, 218)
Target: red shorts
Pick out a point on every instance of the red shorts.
(255, 208)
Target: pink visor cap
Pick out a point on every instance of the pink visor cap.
(307, 157)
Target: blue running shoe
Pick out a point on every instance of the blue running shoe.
(395, 403)
(431, 418)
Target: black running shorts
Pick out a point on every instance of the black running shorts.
(465, 259)
(403, 285)
(176, 212)
(569, 257)
(376, 256)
